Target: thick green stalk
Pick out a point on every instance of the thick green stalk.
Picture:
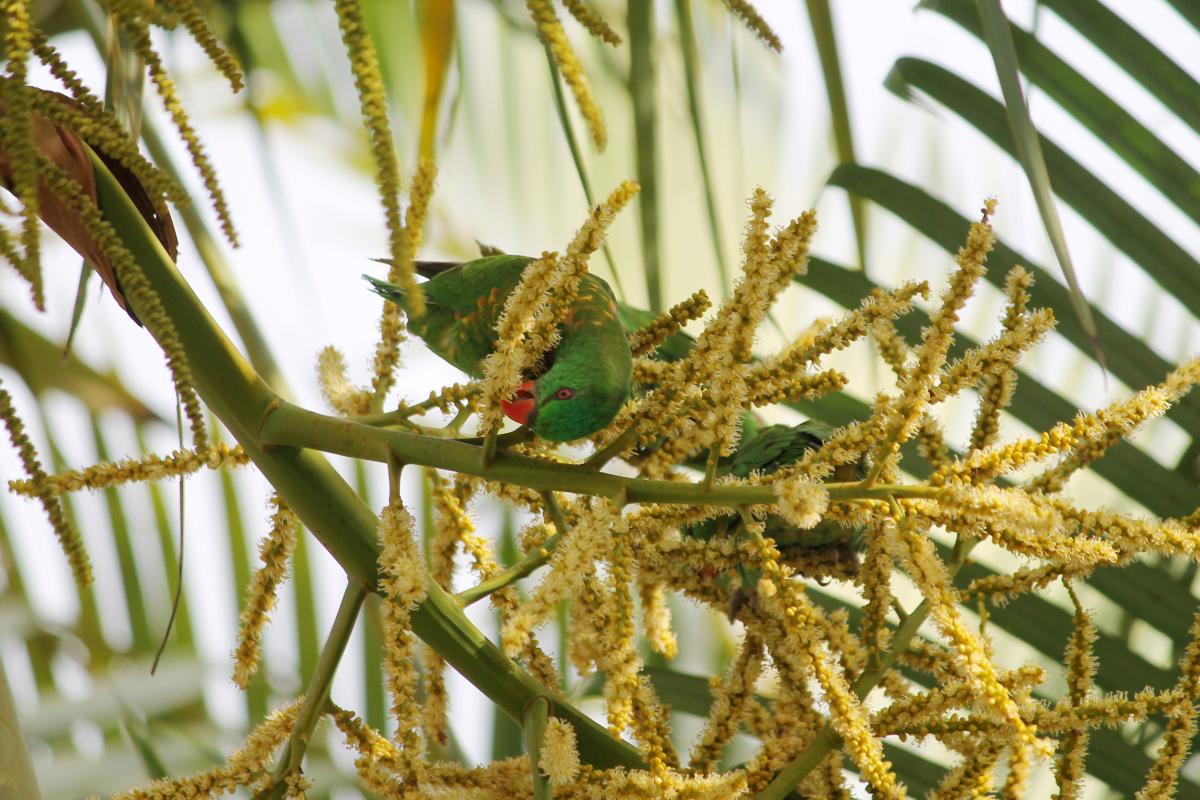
(321, 498)
(287, 424)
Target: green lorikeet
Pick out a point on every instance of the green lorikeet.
(577, 389)
(765, 451)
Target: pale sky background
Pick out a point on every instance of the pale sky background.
(299, 266)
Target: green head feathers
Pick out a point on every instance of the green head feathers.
(582, 391)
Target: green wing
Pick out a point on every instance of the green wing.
(776, 446)
(462, 288)
(463, 303)
(766, 451)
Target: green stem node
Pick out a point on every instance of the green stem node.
(533, 725)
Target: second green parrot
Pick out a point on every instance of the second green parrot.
(765, 451)
(577, 389)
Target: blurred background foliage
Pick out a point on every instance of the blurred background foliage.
(887, 120)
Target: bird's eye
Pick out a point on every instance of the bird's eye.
(564, 394)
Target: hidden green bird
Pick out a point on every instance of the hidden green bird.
(765, 451)
(576, 390)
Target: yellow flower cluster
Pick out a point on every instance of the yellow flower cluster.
(901, 422)
(656, 618)
(695, 404)
(372, 98)
(730, 700)
(560, 754)
(136, 19)
(221, 58)
(1019, 521)
(146, 469)
(802, 501)
(931, 576)
(450, 397)
(646, 339)
(247, 767)
(1181, 724)
(339, 393)
(997, 390)
(588, 17)
(402, 578)
(403, 574)
(16, 136)
(615, 653)
(41, 486)
(751, 554)
(587, 542)
(1081, 671)
(453, 528)
(262, 595)
(551, 32)
(749, 15)
(1086, 438)
(786, 602)
(802, 386)
(640, 785)
(825, 338)
(875, 578)
(402, 271)
(988, 362)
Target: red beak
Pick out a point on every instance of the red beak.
(521, 405)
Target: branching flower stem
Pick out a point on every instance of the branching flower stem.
(316, 697)
(289, 425)
(710, 467)
(536, 557)
(827, 740)
(402, 415)
(556, 513)
(598, 459)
